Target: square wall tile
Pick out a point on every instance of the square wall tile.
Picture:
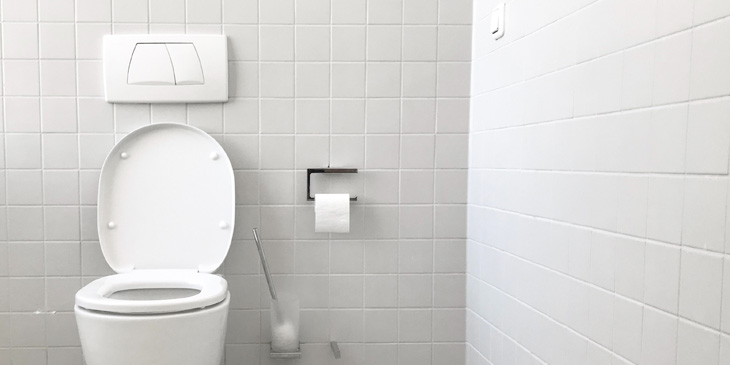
(60, 187)
(348, 116)
(57, 40)
(276, 12)
(128, 117)
(59, 115)
(415, 290)
(26, 259)
(383, 116)
(419, 79)
(382, 152)
(25, 223)
(417, 151)
(416, 221)
(417, 187)
(313, 11)
(60, 151)
(93, 11)
(704, 214)
(451, 151)
(420, 43)
(415, 325)
(89, 76)
(708, 137)
(23, 151)
(348, 43)
(420, 11)
(95, 115)
(415, 257)
(380, 291)
(203, 11)
(454, 79)
(707, 76)
(312, 80)
(21, 78)
(56, 10)
(61, 223)
(58, 78)
(312, 43)
(277, 80)
(19, 10)
(239, 116)
(243, 151)
(24, 187)
(277, 43)
(89, 39)
(93, 149)
(167, 11)
(349, 11)
(454, 43)
(700, 288)
(22, 115)
(125, 11)
(347, 151)
(277, 152)
(207, 117)
(381, 187)
(383, 79)
(20, 40)
(419, 116)
(381, 257)
(384, 43)
(385, 11)
(244, 41)
(455, 12)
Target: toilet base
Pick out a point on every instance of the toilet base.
(186, 338)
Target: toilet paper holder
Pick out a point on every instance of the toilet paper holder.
(326, 171)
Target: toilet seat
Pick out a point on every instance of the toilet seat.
(96, 295)
(165, 220)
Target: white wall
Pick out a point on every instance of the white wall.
(598, 184)
(380, 85)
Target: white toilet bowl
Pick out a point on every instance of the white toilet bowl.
(165, 221)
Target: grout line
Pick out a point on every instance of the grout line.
(687, 103)
(585, 283)
(717, 176)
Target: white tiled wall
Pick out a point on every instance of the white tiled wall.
(598, 184)
(380, 85)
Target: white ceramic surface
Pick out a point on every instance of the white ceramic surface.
(166, 213)
(98, 295)
(166, 201)
(185, 338)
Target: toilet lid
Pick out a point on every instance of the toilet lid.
(166, 201)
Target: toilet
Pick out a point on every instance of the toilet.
(165, 219)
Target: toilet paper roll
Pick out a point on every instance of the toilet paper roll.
(332, 213)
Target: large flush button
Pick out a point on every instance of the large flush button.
(186, 63)
(150, 65)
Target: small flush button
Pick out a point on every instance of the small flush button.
(150, 65)
(186, 63)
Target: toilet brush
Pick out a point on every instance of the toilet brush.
(265, 264)
(284, 315)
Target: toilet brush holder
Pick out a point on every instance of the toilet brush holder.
(284, 315)
(285, 327)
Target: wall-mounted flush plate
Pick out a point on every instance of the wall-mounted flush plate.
(497, 25)
(165, 68)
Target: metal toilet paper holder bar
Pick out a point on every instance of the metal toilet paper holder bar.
(326, 171)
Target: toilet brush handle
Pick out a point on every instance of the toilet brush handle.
(265, 264)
